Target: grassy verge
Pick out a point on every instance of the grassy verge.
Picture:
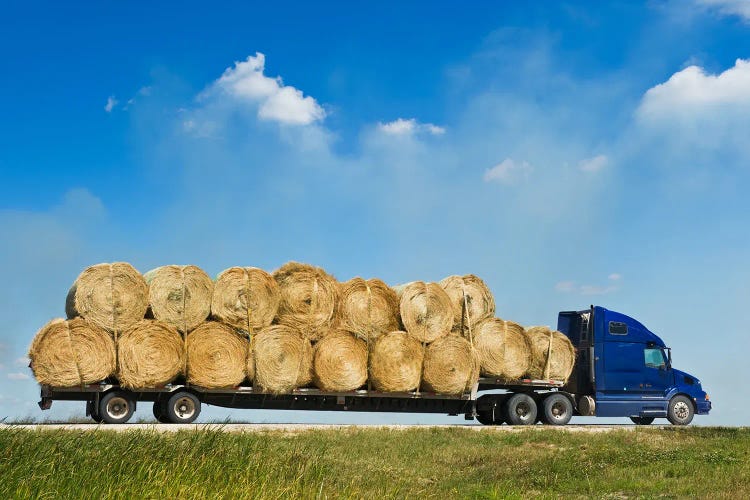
(375, 462)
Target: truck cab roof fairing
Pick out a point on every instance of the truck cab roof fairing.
(618, 327)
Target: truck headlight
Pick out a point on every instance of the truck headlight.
(707, 398)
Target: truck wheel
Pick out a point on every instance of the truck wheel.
(159, 412)
(116, 407)
(520, 409)
(182, 407)
(556, 410)
(680, 410)
(642, 420)
(93, 412)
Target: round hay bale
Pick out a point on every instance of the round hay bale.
(503, 349)
(179, 295)
(426, 310)
(339, 362)
(308, 298)
(70, 353)
(113, 296)
(151, 354)
(367, 308)
(471, 299)
(246, 298)
(216, 356)
(552, 354)
(283, 359)
(396, 362)
(451, 366)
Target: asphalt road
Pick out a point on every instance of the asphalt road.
(296, 428)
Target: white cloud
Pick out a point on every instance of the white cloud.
(594, 164)
(22, 361)
(18, 376)
(692, 92)
(277, 102)
(739, 8)
(508, 171)
(565, 286)
(111, 103)
(410, 126)
(615, 277)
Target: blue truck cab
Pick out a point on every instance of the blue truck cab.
(624, 370)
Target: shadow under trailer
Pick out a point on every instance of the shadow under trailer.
(622, 370)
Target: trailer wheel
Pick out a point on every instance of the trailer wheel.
(642, 420)
(520, 409)
(159, 411)
(182, 407)
(116, 407)
(93, 411)
(680, 410)
(556, 409)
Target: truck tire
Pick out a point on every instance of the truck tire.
(556, 409)
(520, 409)
(93, 411)
(159, 411)
(680, 410)
(182, 407)
(116, 407)
(642, 420)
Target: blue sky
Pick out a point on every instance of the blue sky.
(569, 153)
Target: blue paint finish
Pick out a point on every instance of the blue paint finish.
(632, 373)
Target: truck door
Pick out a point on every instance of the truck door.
(623, 370)
(657, 375)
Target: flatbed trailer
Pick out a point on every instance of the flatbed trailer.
(180, 403)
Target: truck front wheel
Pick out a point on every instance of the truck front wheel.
(680, 410)
(556, 410)
(182, 407)
(520, 409)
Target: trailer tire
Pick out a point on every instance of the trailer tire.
(182, 407)
(556, 409)
(642, 420)
(116, 407)
(680, 410)
(159, 412)
(520, 409)
(93, 411)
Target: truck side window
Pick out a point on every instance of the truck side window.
(618, 328)
(654, 358)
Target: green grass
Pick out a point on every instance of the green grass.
(375, 463)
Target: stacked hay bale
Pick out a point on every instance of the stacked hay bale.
(552, 354)
(308, 299)
(339, 362)
(179, 295)
(396, 362)
(471, 299)
(283, 359)
(151, 354)
(367, 308)
(246, 299)
(217, 356)
(503, 349)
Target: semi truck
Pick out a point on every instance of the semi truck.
(622, 370)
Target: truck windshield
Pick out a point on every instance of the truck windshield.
(654, 358)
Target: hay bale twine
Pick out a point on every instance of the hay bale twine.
(113, 296)
(426, 310)
(283, 359)
(151, 354)
(246, 298)
(471, 299)
(367, 308)
(339, 362)
(216, 356)
(552, 354)
(70, 353)
(503, 349)
(451, 366)
(396, 362)
(179, 295)
(308, 298)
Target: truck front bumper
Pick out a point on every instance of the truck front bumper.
(702, 407)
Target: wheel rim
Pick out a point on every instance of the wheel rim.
(681, 410)
(117, 407)
(184, 408)
(523, 409)
(558, 410)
